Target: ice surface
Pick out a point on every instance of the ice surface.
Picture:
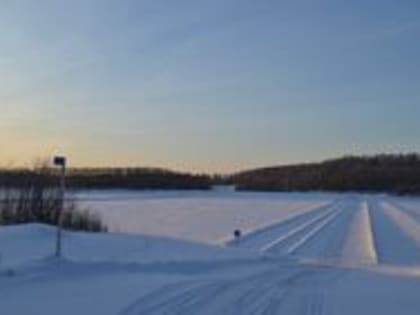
(199, 216)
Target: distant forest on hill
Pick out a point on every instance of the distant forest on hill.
(109, 178)
(399, 173)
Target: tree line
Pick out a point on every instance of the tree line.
(393, 173)
(108, 178)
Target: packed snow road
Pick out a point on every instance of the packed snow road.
(340, 232)
(346, 255)
(349, 231)
(352, 245)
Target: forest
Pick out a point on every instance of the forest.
(110, 178)
(392, 173)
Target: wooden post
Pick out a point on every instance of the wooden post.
(60, 161)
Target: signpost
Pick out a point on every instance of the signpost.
(60, 161)
(237, 234)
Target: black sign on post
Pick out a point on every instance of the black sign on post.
(59, 161)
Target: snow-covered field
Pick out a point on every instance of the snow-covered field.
(209, 217)
(302, 254)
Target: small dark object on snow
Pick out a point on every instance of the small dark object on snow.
(237, 233)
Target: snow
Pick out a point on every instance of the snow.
(36, 242)
(323, 254)
(396, 235)
(209, 217)
(359, 247)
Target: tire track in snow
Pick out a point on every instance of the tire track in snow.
(260, 240)
(315, 231)
(343, 237)
(321, 239)
(211, 296)
(294, 231)
(295, 210)
(291, 290)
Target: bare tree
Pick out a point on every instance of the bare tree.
(37, 198)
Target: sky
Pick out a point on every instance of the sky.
(207, 85)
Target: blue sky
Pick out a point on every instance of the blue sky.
(207, 85)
